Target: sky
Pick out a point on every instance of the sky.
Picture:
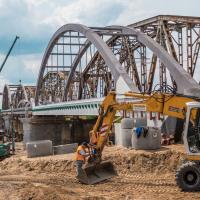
(35, 21)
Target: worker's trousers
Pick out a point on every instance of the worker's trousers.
(79, 170)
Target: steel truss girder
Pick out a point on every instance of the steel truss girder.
(182, 78)
(17, 96)
(177, 27)
(153, 65)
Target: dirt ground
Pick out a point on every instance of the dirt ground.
(142, 175)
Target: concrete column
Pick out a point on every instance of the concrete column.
(45, 128)
(7, 120)
(56, 129)
(26, 130)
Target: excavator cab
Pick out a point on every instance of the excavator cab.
(192, 129)
(188, 174)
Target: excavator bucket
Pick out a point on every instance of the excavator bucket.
(97, 173)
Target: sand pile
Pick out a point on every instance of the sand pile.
(130, 160)
(40, 165)
(125, 160)
(143, 175)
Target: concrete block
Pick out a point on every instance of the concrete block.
(127, 123)
(39, 148)
(117, 128)
(126, 135)
(139, 122)
(63, 149)
(151, 141)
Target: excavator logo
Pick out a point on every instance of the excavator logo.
(174, 109)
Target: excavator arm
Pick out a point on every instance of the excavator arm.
(165, 104)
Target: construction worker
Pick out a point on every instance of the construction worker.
(81, 155)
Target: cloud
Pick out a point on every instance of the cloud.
(86, 12)
(136, 10)
(21, 67)
(35, 21)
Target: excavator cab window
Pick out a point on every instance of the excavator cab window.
(194, 131)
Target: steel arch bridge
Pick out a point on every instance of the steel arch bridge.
(87, 62)
(82, 63)
(17, 96)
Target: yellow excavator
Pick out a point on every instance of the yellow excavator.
(166, 103)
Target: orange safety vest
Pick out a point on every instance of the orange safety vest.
(78, 155)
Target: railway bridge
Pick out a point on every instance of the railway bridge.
(82, 64)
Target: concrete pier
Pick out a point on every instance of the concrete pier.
(59, 130)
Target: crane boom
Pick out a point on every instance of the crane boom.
(7, 55)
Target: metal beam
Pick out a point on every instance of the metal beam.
(182, 78)
(183, 19)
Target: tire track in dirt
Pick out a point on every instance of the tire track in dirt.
(151, 182)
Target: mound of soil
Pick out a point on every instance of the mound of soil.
(125, 161)
(142, 175)
(157, 161)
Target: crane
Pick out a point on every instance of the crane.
(5, 148)
(7, 55)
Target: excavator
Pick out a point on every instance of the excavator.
(166, 103)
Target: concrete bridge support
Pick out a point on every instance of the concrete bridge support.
(59, 130)
(13, 123)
